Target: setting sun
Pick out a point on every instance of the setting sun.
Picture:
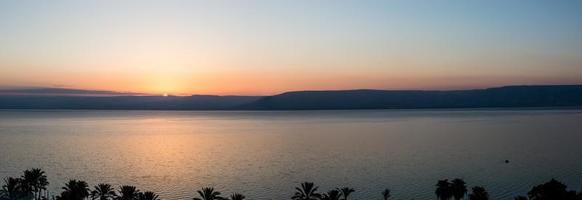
(290, 99)
(212, 47)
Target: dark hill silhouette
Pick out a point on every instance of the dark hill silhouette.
(510, 96)
(196, 102)
(503, 97)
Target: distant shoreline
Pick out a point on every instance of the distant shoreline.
(541, 97)
(301, 110)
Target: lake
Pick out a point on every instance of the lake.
(264, 155)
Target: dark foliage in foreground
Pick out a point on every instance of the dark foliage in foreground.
(32, 186)
(553, 189)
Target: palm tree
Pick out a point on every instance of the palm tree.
(458, 188)
(103, 191)
(552, 189)
(386, 194)
(308, 191)
(27, 182)
(237, 196)
(128, 192)
(208, 193)
(74, 190)
(148, 195)
(346, 191)
(444, 190)
(42, 184)
(12, 189)
(478, 193)
(331, 195)
(34, 181)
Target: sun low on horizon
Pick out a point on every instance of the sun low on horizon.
(290, 99)
(267, 47)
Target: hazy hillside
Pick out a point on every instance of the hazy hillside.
(510, 96)
(197, 102)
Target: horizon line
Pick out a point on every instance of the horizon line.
(69, 91)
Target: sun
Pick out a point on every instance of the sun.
(165, 94)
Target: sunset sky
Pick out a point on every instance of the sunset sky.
(267, 47)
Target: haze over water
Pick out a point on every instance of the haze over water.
(264, 155)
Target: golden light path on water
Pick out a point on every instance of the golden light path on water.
(264, 155)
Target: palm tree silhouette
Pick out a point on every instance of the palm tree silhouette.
(478, 193)
(12, 189)
(148, 195)
(386, 194)
(74, 190)
(34, 181)
(444, 190)
(346, 191)
(308, 191)
(552, 189)
(237, 196)
(208, 193)
(458, 188)
(331, 195)
(128, 192)
(103, 191)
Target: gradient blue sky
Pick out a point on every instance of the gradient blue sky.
(266, 47)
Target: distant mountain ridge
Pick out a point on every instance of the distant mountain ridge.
(197, 102)
(500, 97)
(508, 96)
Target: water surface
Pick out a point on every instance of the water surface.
(266, 154)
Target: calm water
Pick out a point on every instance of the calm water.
(265, 154)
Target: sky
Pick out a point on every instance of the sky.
(248, 47)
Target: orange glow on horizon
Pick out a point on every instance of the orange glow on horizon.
(248, 83)
(265, 48)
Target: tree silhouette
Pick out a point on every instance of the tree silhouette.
(331, 195)
(346, 191)
(458, 188)
(74, 190)
(208, 193)
(12, 189)
(103, 191)
(478, 193)
(444, 190)
(34, 181)
(128, 192)
(386, 194)
(552, 189)
(148, 195)
(237, 196)
(308, 191)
